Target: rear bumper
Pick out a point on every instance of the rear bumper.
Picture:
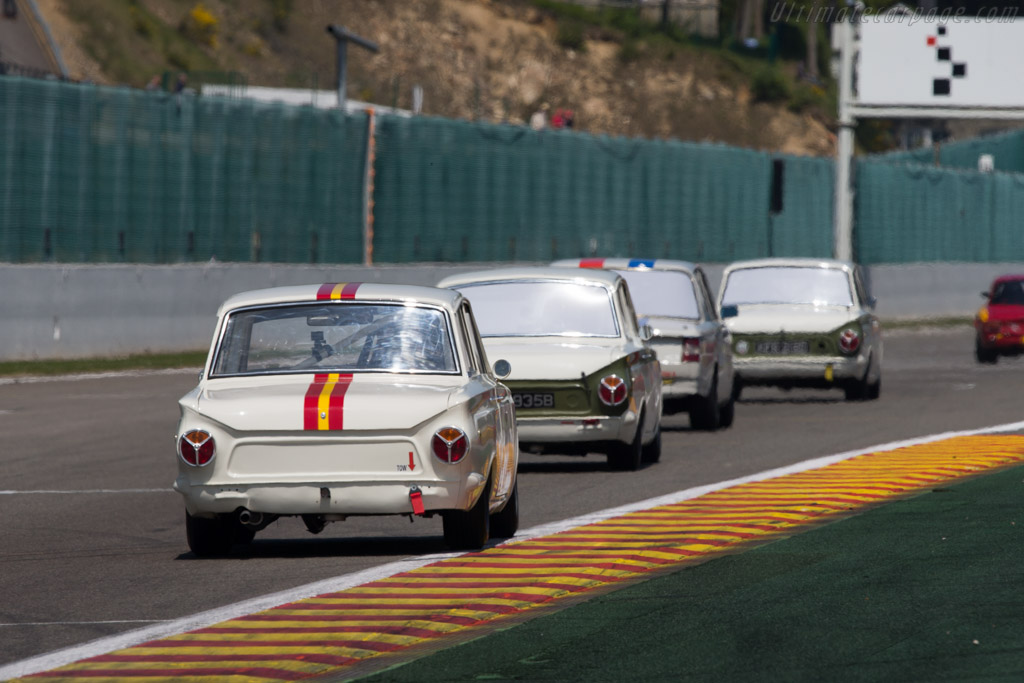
(567, 430)
(806, 370)
(334, 498)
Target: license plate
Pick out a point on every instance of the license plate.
(534, 400)
(782, 348)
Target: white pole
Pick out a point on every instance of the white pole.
(842, 236)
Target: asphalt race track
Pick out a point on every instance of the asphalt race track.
(93, 541)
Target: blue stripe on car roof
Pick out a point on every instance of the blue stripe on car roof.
(641, 263)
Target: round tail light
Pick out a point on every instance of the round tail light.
(449, 444)
(612, 390)
(196, 447)
(849, 341)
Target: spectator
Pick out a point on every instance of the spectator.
(568, 118)
(182, 82)
(539, 120)
(154, 83)
(558, 118)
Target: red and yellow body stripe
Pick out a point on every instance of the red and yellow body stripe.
(336, 291)
(324, 406)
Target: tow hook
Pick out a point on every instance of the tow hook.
(416, 498)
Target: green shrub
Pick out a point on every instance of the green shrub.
(770, 85)
(570, 35)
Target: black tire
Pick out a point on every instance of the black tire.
(626, 457)
(856, 390)
(706, 415)
(505, 524)
(727, 413)
(209, 537)
(470, 529)
(651, 453)
(986, 356)
(862, 389)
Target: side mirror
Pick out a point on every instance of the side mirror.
(984, 294)
(646, 332)
(730, 311)
(502, 368)
(872, 302)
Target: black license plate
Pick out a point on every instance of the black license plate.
(782, 348)
(534, 399)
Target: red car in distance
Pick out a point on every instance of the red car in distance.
(999, 324)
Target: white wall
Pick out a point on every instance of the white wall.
(72, 311)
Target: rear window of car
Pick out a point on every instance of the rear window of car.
(337, 337)
(662, 293)
(810, 285)
(528, 308)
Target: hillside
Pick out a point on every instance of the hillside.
(496, 60)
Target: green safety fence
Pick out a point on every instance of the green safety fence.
(92, 174)
(458, 191)
(1006, 149)
(912, 213)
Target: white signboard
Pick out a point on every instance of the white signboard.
(931, 61)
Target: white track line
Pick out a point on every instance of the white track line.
(65, 491)
(101, 646)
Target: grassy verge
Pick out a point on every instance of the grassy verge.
(155, 361)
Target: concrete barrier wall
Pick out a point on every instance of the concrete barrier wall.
(72, 311)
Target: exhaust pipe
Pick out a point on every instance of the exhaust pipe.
(250, 518)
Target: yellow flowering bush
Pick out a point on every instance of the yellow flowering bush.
(201, 25)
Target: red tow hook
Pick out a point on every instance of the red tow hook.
(416, 497)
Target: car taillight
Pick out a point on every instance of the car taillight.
(691, 350)
(449, 444)
(849, 341)
(612, 390)
(196, 447)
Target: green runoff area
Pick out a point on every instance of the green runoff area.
(927, 588)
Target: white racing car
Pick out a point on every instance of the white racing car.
(330, 401)
(802, 323)
(693, 344)
(583, 378)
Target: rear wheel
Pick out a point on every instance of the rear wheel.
(727, 413)
(209, 537)
(469, 529)
(651, 453)
(706, 415)
(505, 524)
(626, 457)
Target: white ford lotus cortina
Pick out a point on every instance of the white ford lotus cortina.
(582, 377)
(802, 323)
(693, 344)
(330, 401)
